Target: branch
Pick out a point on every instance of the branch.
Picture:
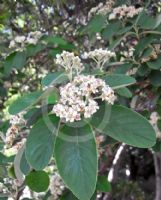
(157, 164)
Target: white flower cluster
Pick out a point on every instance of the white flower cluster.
(78, 98)
(11, 135)
(70, 62)
(124, 11)
(106, 8)
(32, 38)
(101, 9)
(56, 186)
(100, 56)
(15, 121)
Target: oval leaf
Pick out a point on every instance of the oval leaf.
(24, 102)
(54, 78)
(118, 80)
(156, 64)
(24, 166)
(77, 160)
(40, 143)
(37, 181)
(125, 126)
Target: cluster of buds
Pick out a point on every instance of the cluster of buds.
(16, 121)
(78, 98)
(124, 11)
(100, 56)
(71, 63)
(31, 38)
(101, 9)
(56, 186)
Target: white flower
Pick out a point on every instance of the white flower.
(11, 135)
(33, 37)
(91, 108)
(77, 98)
(13, 130)
(154, 117)
(56, 186)
(69, 62)
(100, 56)
(20, 39)
(108, 94)
(111, 16)
(101, 9)
(12, 44)
(17, 119)
(124, 11)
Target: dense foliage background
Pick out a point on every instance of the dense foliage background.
(32, 33)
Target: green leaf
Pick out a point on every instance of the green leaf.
(33, 49)
(156, 64)
(76, 159)
(147, 52)
(3, 198)
(146, 21)
(143, 70)
(155, 78)
(115, 43)
(53, 97)
(103, 185)
(40, 142)
(56, 40)
(24, 166)
(24, 102)
(17, 170)
(124, 30)
(2, 159)
(149, 22)
(125, 92)
(157, 146)
(118, 80)
(111, 30)
(143, 43)
(158, 21)
(122, 69)
(14, 60)
(37, 181)
(54, 78)
(68, 196)
(124, 125)
(95, 25)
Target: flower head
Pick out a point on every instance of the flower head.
(77, 98)
(69, 62)
(100, 56)
(124, 11)
(101, 9)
